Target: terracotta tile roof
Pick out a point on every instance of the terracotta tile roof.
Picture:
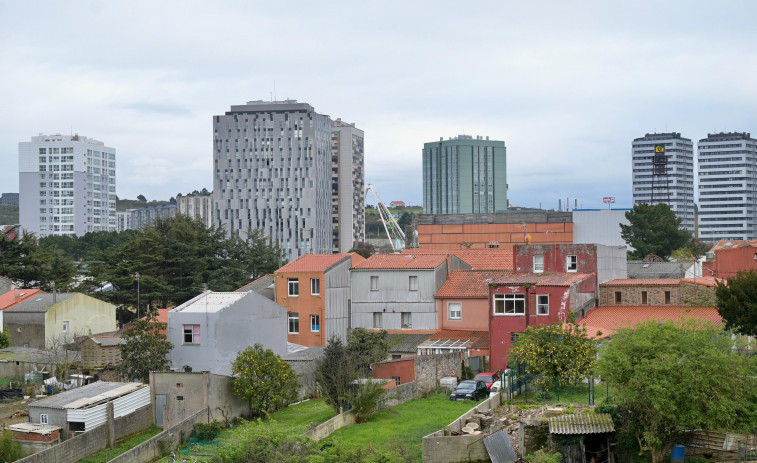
(543, 279)
(469, 283)
(704, 281)
(313, 262)
(731, 244)
(478, 259)
(643, 282)
(471, 339)
(15, 296)
(609, 318)
(402, 261)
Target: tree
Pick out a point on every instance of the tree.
(692, 251)
(146, 349)
(31, 266)
(335, 372)
(141, 198)
(653, 229)
(367, 347)
(737, 302)
(63, 353)
(364, 249)
(5, 339)
(671, 377)
(556, 354)
(263, 380)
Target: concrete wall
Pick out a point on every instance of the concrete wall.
(223, 334)
(170, 439)
(612, 263)
(84, 314)
(600, 226)
(137, 421)
(325, 429)
(305, 371)
(73, 449)
(475, 314)
(25, 329)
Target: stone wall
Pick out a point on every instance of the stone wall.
(430, 368)
(441, 447)
(400, 394)
(631, 295)
(167, 440)
(699, 295)
(73, 449)
(137, 421)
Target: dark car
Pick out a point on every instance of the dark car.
(488, 377)
(470, 389)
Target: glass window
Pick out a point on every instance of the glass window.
(618, 297)
(644, 297)
(542, 304)
(571, 264)
(191, 334)
(407, 320)
(377, 320)
(294, 287)
(65, 326)
(315, 286)
(667, 297)
(413, 283)
(315, 323)
(43, 416)
(509, 304)
(294, 322)
(455, 310)
(538, 264)
(374, 283)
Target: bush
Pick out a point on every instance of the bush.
(10, 450)
(366, 401)
(541, 456)
(209, 431)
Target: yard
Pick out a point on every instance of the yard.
(124, 445)
(566, 395)
(406, 423)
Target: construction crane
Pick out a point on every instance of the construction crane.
(393, 230)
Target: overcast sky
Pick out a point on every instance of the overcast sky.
(566, 85)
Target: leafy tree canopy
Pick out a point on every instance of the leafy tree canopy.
(556, 353)
(672, 377)
(367, 347)
(146, 349)
(693, 250)
(335, 372)
(31, 266)
(737, 302)
(5, 339)
(263, 380)
(653, 229)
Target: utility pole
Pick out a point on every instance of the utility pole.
(136, 275)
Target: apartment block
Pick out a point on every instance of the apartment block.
(727, 187)
(675, 187)
(197, 206)
(67, 185)
(347, 186)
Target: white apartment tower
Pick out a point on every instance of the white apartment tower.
(676, 187)
(67, 185)
(347, 186)
(727, 187)
(272, 172)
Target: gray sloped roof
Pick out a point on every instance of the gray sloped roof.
(406, 342)
(581, 423)
(40, 302)
(63, 399)
(262, 286)
(639, 269)
(311, 353)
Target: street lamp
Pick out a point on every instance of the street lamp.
(136, 275)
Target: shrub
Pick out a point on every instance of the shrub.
(366, 401)
(209, 431)
(541, 456)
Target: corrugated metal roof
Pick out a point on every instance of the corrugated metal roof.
(257, 285)
(500, 448)
(101, 389)
(311, 353)
(406, 342)
(581, 423)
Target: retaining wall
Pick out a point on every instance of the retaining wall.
(325, 429)
(137, 421)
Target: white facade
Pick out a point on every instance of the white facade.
(199, 207)
(727, 187)
(680, 174)
(67, 185)
(599, 226)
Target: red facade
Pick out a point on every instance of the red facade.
(556, 258)
(728, 262)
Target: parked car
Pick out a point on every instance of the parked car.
(470, 389)
(488, 377)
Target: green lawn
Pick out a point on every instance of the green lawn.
(298, 417)
(567, 395)
(406, 423)
(124, 445)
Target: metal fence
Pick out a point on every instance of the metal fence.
(519, 385)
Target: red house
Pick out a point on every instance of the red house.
(605, 263)
(523, 300)
(729, 260)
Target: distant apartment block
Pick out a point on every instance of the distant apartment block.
(347, 186)
(676, 189)
(137, 219)
(272, 171)
(463, 175)
(727, 187)
(67, 185)
(197, 206)
(9, 198)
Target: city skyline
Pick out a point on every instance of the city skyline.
(567, 88)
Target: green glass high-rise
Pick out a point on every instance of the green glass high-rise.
(464, 175)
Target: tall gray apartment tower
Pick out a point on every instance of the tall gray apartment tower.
(273, 171)
(347, 186)
(727, 187)
(67, 185)
(679, 178)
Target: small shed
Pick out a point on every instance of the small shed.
(582, 437)
(35, 437)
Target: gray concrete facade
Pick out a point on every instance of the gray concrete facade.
(272, 165)
(67, 185)
(208, 331)
(338, 300)
(347, 185)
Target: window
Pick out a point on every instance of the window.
(542, 304)
(377, 319)
(667, 297)
(294, 322)
(455, 311)
(294, 287)
(191, 334)
(509, 304)
(396, 380)
(571, 264)
(407, 320)
(374, 283)
(538, 264)
(644, 297)
(413, 283)
(315, 323)
(618, 297)
(65, 327)
(315, 286)
(43, 418)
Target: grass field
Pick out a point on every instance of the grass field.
(298, 417)
(127, 444)
(567, 395)
(406, 423)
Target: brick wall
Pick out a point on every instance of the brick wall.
(137, 421)
(631, 295)
(73, 449)
(430, 368)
